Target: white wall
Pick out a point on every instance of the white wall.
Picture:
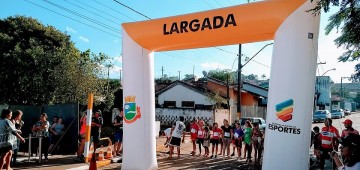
(181, 93)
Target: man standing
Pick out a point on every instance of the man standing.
(348, 129)
(96, 124)
(118, 124)
(329, 141)
(176, 136)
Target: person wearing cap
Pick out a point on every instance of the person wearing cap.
(348, 128)
(350, 153)
(96, 124)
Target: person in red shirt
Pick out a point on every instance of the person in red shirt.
(194, 127)
(217, 132)
(349, 129)
(200, 135)
(329, 141)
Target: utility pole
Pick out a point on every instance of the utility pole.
(162, 71)
(239, 84)
(179, 75)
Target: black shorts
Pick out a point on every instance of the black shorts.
(174, 141)
(237, 143)
(200, 141)
(95, 137)
(82, 136)
(5, 149)
(214, 141)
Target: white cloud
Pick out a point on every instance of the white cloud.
(213, 65)
(69, 29)
(117, 59)
(82, 38)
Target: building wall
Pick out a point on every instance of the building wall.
(247, 99)
(180, 93)
(168, 116)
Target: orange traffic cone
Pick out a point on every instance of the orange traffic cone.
(90, 155)
(101, 154)
(109, 153)
(93, 165)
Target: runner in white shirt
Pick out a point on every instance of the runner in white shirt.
(175, 140)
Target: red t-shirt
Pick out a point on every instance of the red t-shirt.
(327, 135)
(216, 133)
(194, 131)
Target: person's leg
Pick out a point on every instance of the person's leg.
(45, 144)
(199, 142)
(255, 150)
(212, 148)
(178, 151)
(194, 147)
(2, 160)
(249, 150)
(233, 153)
(216, 149)
(8, 159)
(171, 151)
(228, 147)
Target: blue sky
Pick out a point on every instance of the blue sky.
(100, 31)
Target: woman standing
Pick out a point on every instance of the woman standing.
(81, 137)
(41, 129)
(16, 120)
(56, 130)
(256, 139)
(215, 138)
(238, 135)
(7, 133)
(226, 135)
(200, 136)
(247, 140)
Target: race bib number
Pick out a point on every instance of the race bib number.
(236, 135)
(200, 132)
(259, 139)
(216, 134)
(227, 134)
(193, 130)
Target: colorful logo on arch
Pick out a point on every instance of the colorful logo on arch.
(284, 110)
(131, 111)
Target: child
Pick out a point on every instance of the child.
(256, 139)
(215, 138)
(194, 127)
(238, 135)
(206, 140)
(316, 142)
(167, 133)
(200, 136)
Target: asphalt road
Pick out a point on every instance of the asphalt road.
(338, 123)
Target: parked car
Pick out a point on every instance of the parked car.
(347, 112)
(259, 120)
(337, 114)
(321, 115)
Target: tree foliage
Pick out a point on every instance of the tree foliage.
(348, 20)
(40, 65)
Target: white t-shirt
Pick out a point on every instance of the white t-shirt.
(179, 129)
(167, 132)
(355, 167)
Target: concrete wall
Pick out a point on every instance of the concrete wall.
(168, 116)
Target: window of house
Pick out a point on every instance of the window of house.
(188, 104)
(169, 103)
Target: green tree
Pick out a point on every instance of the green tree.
(348, 20)
(40, 65)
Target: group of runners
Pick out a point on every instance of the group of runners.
(250, 137)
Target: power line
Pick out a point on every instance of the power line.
(114, 10)
(132, 9)
(91, 12)
(225, 51)
(84, 17)
(230, 2)
(103, 12)
(72, 19)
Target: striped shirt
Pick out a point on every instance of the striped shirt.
(327, 135)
